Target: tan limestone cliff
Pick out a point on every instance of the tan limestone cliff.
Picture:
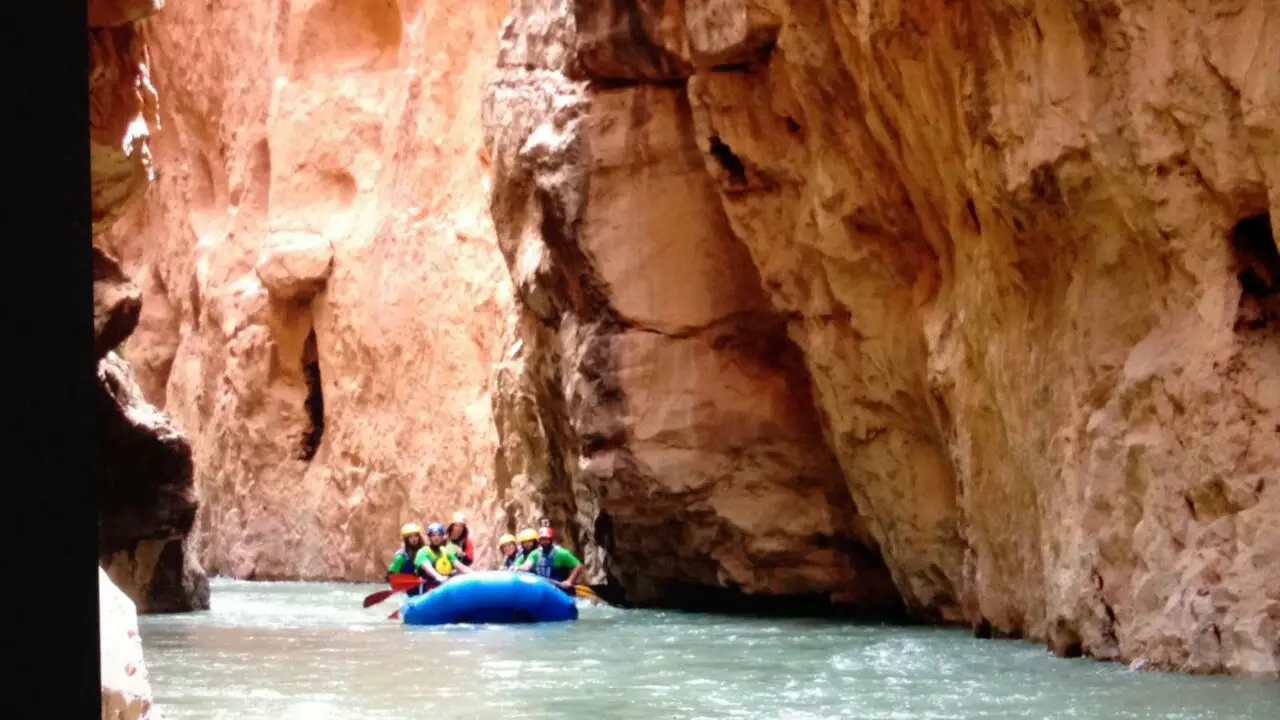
(322, 293)
(1021, 250)
(681, 425)
(146, 501)
(964, 306)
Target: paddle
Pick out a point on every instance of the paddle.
(399, 583)
(586, 592)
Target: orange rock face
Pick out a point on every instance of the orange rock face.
(146, 498)
(322, 293)
(1023, 254)
(968, 308)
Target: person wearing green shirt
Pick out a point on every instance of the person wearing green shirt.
(411, 533)
(437, 561)
(553, 562)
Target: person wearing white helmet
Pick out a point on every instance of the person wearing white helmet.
(460, 537)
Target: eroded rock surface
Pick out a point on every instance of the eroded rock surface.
(322, 294)
(1022, 255)
(686, 429)
(146, 497)
(967, 308)
(122, 108)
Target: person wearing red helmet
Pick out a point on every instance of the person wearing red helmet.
(553, 562)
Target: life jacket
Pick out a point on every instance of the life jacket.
(440, 560)
(513, 560)
(543, 565)
(407, 568)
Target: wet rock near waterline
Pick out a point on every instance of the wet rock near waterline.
(126, 685)
(146, 498)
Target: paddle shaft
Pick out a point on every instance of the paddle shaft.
(399, 583)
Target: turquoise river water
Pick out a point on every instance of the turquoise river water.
(308, 651)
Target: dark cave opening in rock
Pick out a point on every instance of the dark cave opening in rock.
(315, 399)
(1258, 270)
(728, 160)
(875, 598)
(732, 600)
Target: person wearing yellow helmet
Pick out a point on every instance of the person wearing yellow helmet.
(411, 534)
(511, 555)
(528, 540)
(460, 538)
(438, 561)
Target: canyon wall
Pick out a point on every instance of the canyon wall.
(322, 291)
(985, 292)
(966, 310)
(146, 497)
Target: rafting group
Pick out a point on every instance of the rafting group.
(446, 552)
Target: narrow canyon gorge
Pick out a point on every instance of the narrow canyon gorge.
(958, 313)
(146, 491)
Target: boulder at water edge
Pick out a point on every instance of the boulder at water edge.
(126, 691)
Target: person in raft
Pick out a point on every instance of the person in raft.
(437, 561)
(552, 561)
(403, 562)
(460, 538)
(528, 540)
(511, 555)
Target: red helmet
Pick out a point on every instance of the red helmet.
(545, 532)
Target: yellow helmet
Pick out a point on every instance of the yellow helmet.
(459, 518)
(508, 538)
(528, 535)
(410, 529)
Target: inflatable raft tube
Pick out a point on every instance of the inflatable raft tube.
(491, 596)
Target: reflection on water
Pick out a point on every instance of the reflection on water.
(309, 651)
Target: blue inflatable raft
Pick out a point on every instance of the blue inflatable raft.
(491, 596)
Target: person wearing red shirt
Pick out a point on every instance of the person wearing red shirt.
(460, 536)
